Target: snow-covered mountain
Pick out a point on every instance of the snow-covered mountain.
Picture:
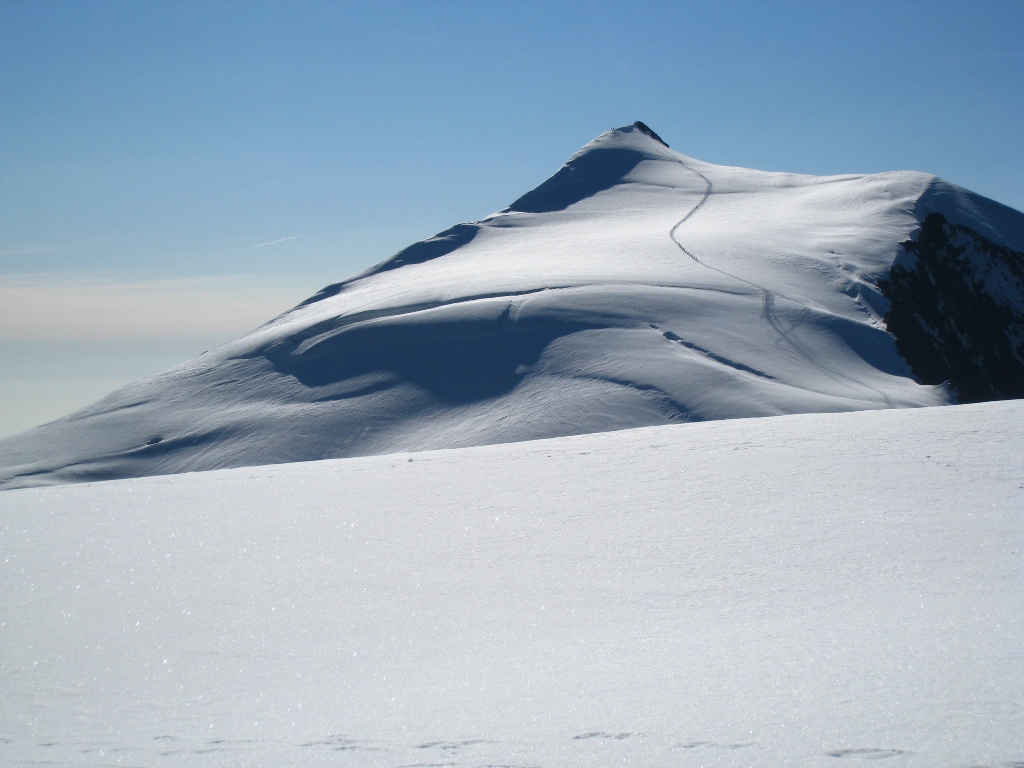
(635, 287)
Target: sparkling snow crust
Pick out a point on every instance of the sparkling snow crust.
(811, 590)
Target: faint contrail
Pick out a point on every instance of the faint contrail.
(272, 242)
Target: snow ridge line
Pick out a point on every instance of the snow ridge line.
(339, 323)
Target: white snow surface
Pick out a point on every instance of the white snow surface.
(813, 590)
(637, 286)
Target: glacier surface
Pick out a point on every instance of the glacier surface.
(820, 590)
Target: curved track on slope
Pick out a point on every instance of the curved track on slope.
(767, 297)
(768, 302)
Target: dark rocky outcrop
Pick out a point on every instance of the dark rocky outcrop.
(645, 129)
(958, 311)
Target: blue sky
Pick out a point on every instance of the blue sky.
(228, 151)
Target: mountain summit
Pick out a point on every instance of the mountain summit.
(636, 286)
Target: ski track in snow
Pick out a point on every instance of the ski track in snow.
(672, 232)
(768, 297)
(768, 300)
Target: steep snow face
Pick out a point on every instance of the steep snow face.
(819, 590)
(637, 286)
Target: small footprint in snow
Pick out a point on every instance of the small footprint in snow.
(602, 735)
(868, 753)
(714, 745)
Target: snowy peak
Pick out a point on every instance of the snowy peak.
(600, 165)
(637, 136)
(644, 129)
(636, 286)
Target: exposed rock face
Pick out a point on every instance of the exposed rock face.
(646, 129)
(958, 311)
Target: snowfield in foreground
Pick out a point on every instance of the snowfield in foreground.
(812, 590)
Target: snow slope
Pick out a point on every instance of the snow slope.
(637, 286)
(813, 590)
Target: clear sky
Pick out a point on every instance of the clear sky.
(174, 173)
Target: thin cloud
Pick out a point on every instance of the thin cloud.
(32, 250)
(272, 242)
